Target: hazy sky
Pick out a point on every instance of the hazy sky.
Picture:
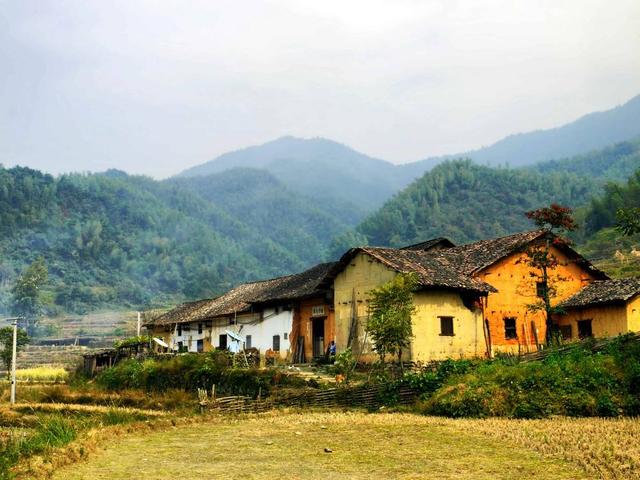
(157, 86)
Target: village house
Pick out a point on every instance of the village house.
(472, 300)
(270, 316)
(604, 308)
(512, 323)
(448, 320)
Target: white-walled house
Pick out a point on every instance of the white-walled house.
(257, 315)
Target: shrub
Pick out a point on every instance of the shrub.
(575, 383)
(192, 371)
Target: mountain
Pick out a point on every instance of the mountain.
(613, 163)
(318, 168)
(590, 132)
(465, 202)
(114, 239)
(331, 172)
(273, 211)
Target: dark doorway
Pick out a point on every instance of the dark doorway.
(317, 337)
(200, 346)
(222, 342)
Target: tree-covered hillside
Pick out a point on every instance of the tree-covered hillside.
(614, 163)
(113, 239)
(273, 211)
(465, 202)
(618, 254)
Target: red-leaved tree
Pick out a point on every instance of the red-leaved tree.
(556, 221)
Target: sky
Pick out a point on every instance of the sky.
(155, 86)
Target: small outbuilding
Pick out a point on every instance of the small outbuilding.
(604, 308)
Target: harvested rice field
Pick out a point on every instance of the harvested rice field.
(359, 445)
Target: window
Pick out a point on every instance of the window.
(247, 341)
(179, 329)
(222, 342)
(199, 328)
(276, 343)
(286, 335)
(446, 326)
(565, 331)
(541, 289)
(510, 330)
(584, 329)
(317, 311)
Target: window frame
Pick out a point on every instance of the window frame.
(445, 332)
(514, 336)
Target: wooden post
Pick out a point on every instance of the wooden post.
(14, 359)
(534, 330)
(488, 331)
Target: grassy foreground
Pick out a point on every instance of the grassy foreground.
(292, 445)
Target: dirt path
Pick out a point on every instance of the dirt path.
(293, 446)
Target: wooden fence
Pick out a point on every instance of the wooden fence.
(363, 397)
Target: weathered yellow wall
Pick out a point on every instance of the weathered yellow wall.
(633, 315)
(428, 344)
(606, 320)
(511, 276)
(360, 276)
(364, 274)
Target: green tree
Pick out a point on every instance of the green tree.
(6, 340)
(390, 310)
(555, 220)
(628, 221)
(26, 299)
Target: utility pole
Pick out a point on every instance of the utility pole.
(13, 360)
(138, 324)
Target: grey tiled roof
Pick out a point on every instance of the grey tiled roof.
(242, 297)
(602, 292)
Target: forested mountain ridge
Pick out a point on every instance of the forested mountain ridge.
(590, 132)
(613, 163)
(318, 168)
(114, 239)
(464, 201)
(273, 211)
(365, 183)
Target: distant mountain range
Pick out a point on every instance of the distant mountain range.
(318, 168)
(466, 201)
(115, 239)
(323, 169)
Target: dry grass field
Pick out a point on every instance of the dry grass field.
(395, 445)
(47, 373)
